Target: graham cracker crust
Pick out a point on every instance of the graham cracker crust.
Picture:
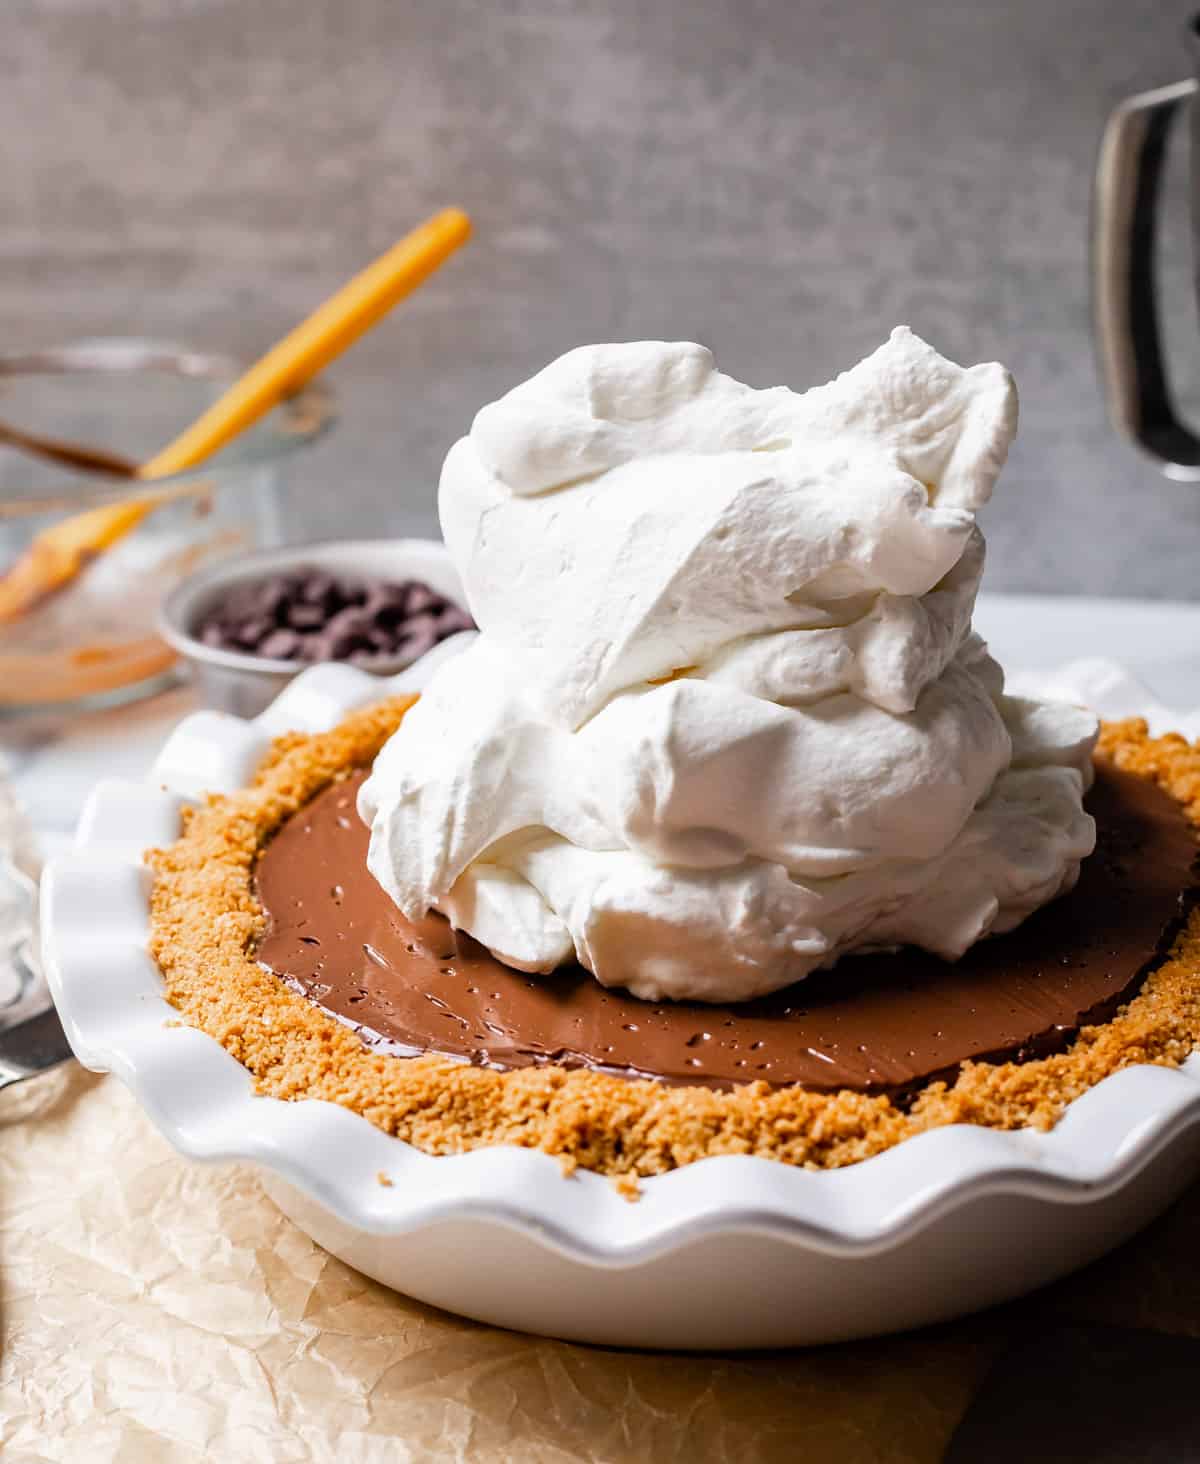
(205, 921)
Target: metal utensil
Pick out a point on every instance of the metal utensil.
(71, 454)
(1127, 304)
(31, 1035)
(31, 1047)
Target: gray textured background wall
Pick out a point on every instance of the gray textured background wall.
(781, 179)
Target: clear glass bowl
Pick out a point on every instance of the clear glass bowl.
(96, 638)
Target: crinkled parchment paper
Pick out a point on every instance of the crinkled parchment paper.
(163, 1311)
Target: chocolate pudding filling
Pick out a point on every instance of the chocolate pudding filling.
(883, 1022)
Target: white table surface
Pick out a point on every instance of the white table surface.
(55, 761)
(1158, 641)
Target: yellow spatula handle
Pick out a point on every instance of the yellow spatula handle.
(316, 341)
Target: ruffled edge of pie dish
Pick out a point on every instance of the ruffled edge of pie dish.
(109, 993)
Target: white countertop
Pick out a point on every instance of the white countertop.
(55, 760)
(1157, 641)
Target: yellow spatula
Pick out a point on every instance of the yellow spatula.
(58, 553)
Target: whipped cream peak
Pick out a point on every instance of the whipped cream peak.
(598, 407)
(630, 510)
(727, 718)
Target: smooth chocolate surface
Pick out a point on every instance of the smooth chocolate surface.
(881, 1022)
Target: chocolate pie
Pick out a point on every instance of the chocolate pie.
(274, 939)
(728, 738)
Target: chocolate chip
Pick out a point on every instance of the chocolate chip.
(316, 588)
(421, 597)
(452, 619)
(352, 617)
(251, 631)
(281, 645)
(420, 634)
(303, 616)
(389, 597)
(386, 604)
(348, 631)
(272, 599)
(351, 593)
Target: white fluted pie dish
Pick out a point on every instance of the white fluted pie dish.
(724, 1253)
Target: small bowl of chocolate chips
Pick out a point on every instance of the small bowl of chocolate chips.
(247, 625)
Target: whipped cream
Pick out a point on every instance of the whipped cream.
(727, 719)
